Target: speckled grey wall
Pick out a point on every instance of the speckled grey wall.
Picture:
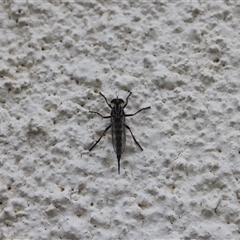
(181, 58)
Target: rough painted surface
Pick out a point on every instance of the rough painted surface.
(180, 58)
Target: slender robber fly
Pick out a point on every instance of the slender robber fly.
(118, 126)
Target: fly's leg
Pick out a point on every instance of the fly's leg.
(100, 114)
(127, 99)
(105, 100)
(129, 115)
(133, 136)
(100, 137)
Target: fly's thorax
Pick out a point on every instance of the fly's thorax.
(117, 108)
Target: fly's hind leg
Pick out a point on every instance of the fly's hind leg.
(133, 136)
(100, 137)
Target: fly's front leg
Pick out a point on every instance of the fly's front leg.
(105, 100)
(133, 136)
(100, 114)
(100, 137)
(127, 99)
(129, 115)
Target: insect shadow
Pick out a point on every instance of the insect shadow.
(118, 125)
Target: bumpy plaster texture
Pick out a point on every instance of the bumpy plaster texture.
(181, 58)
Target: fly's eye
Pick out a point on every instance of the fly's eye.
(113, 102)
(120, 101)
(117, 101)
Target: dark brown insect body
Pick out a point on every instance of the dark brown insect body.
(118, 126)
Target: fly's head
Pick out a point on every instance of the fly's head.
(117, 109)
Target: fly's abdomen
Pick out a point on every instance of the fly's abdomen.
(118, 136)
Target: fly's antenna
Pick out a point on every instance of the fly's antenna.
(118, 93)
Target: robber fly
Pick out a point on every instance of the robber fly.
(118, 126)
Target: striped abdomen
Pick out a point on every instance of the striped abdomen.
(118, 137)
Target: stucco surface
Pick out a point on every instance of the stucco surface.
(180, 58)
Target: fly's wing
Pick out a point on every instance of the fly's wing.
(118, 135)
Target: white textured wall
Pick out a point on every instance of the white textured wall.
(180, 58)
